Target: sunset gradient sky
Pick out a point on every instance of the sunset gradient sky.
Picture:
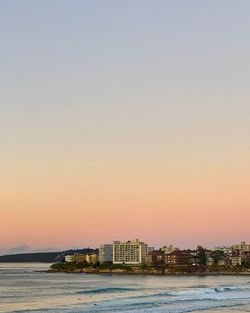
(124, 119)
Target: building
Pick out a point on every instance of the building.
(155, 257)
(245, 258)
(106, 253)
(169, 249)
(150, 249)
(222, 262)
(70, 258)
(235, 260)
(245, 255)
(131, 252)
(80, 258)
(224, 249)
(178, 257)
(209, 261)
(241, 247)
(91, 258)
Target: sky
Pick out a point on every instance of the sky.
(124, 119)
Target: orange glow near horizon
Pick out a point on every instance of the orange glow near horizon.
(124, 121)
(84, 210)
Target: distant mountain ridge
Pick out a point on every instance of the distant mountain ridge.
(43, 257)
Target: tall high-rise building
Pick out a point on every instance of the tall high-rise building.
(106, 253)
(130, 252)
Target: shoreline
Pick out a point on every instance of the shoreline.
(139, 273)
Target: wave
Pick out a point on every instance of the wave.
(128, 304)
(194, 294)
(122, 305)
(105, 290)
(204, 291)
(198, 294)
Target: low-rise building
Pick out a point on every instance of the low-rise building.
(224, 249)
(236, 260)
(91, 258)
(209, 261)
(222, 262)
(241, 247)
(70, 258)
(80, 258)
(155, 257)
(245, 258)
(178, 257)
(168, 249)
(245, 255)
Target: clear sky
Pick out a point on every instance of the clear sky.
(124, 119)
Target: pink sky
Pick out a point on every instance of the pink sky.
(159, 204)
(124, 121)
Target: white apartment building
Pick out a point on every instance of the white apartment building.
(131, 252)
(91, 258)
(169, 249)
(226, 250)
(242, 247)
(70, 258)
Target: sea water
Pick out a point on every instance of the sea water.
(23, 288)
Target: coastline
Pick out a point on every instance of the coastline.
(139, 273)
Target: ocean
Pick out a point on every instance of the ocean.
(24, 289)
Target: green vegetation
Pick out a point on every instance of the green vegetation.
(145, 268)
(201, 255)
(63, 266)
(72, 266)
(217, 255)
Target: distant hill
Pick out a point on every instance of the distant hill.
(43, 257)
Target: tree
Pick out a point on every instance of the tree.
(217, 255)
(201, 255)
